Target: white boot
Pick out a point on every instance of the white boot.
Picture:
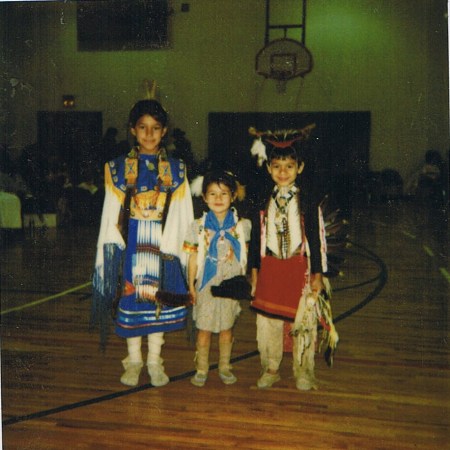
(133, 362)
(157, 375)
(132, 371)
(202, 366)
(225, 373)
(155, 367)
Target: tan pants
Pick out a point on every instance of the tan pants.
(269, 334)
(270, 337)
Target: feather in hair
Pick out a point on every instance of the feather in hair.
(240, 191)
(259, 149)
(197, 185)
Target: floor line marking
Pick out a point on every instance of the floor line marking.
(377, 222)
(445, 273)
(45, 299)
(382, 280)
(406, 233)
(117, 394)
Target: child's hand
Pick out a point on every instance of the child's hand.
(193, 294)
(192, 270)
(253, 281)
(317, 285)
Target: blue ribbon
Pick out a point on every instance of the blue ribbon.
(211, 223)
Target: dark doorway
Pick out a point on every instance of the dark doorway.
(71, 137)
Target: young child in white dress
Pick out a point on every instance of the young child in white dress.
(217, 246)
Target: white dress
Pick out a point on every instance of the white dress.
(210, 313)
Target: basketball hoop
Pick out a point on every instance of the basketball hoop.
(282, 60)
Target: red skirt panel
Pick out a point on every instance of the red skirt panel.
(280, 285)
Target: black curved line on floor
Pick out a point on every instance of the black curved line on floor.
(382, 280)
(381, 277)
(46, 293)
(372, 257)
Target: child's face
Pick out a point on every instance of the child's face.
(148, 133)
(218, 197)
(284, 171)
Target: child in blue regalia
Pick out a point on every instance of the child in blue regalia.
(152, 192)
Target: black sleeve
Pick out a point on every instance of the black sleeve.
(313, 234)
(254, 249)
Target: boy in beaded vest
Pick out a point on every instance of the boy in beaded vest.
(288, 259)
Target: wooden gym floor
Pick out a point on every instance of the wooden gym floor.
(388, 389)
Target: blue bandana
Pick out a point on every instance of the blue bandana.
(211, 223)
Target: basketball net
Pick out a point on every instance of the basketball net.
(281, 78)
(282, 60)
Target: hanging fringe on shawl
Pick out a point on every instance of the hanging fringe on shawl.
(309, 312)
(336, 229)
(304, 325)
(105, 290)
(330, 337)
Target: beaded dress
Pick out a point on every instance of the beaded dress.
(137, 313)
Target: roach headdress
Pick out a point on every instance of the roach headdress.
(281, 139)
